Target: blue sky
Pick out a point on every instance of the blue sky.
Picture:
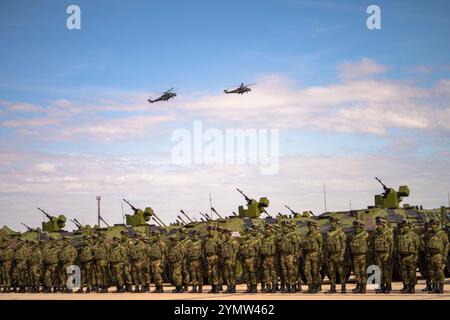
(335, 89)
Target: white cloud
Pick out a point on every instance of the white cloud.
(362, 69)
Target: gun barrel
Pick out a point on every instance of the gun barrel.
(156, 218)
(159, 224)
(29, 229)
(218, 214)
(75, 219)
(245, 196)
(131, 206)
(186, 216)
(46, 214)
(379, 180)
(184, 222)
(205, 216)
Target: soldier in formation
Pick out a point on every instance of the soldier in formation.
(268, 255)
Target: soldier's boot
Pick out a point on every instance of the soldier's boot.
(186, 288)
(315, 288)
(388, 288)
(146, 288)
(283, 287)
(220, 287)
(299, 287)
(440, 287)
(175, 290)
(194, 289)
(332, 289)
(432, 287)
(88, 290)
(128, 288)
(343, 288)
(287, 288)
(254, 288)
(248, 289)
(80, 290)
(309, 289)
(273, 289)
(381, 290)
(427, 287)
(69, 290)
(117, 289)
(363, 288)
(137, 289)
(181, 290)
(357, 288)
(412, 289)
(405, 288)
(200, 289)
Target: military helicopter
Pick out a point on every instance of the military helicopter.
(166, 95)
(241, 89)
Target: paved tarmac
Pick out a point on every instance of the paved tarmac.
(240, 295)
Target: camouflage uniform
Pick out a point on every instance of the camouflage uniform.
(424, 265)
(185, 242)
(36, 267)
(358, 250)
(194, 260)
(313, 247)
(117, 258)
(407, 248)
(139, 258)
(211, 255)
(50, 252)
(176, 258)
(288, 247)
(6, 262)
(268, 254)
(127, 244)
(157, 256)
(21, 255)
(335, 244)
(383, 248)
(249, 252)
(100, 252)
(67, 257)
(438, 246)
(87, 266)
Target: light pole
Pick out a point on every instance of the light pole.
(98, 210)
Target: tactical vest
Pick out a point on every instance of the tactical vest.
(358, 245)
(435, 244)
(248, 249)
(86, 254)
(382, 244)
(194, 251)
(175, 255)
(100, 252)
(156, 252)
(36, 257)
(227, 251)
(117, 255)
(52, 256)
(137, 252)
(210, 247)
(268, 247)
(67, 254)
(21, 255)
(333, 242)
(406, 245)
(311, 244)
